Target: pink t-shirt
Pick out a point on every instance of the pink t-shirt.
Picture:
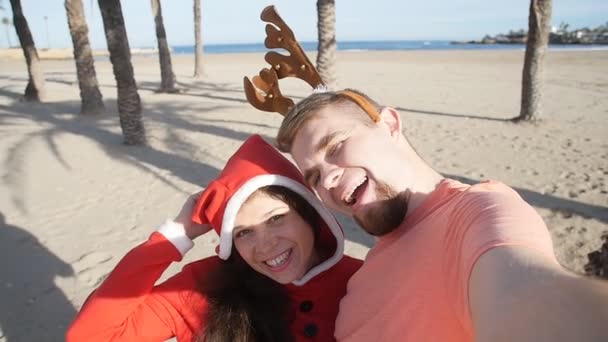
(413, 285)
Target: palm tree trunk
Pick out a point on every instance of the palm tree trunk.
(167, 83)
(129, 103)
(539, 26)
(35, 89)
(90, 96)
(198, 41)
(326, 56)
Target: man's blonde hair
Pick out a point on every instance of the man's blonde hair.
(308, 108)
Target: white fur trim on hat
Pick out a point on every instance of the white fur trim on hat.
(255, 183)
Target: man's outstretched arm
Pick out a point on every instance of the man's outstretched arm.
(517, 294)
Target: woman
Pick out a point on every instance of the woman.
(282, 281)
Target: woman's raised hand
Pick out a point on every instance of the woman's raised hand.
(193, 230)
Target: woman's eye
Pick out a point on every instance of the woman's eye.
(275, 218)
(242, 233)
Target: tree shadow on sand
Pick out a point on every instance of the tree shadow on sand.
(452, 115)
(552, 202)
(229, 92)
(32, 307)
(59, 118)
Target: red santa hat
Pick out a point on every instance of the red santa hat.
(257, 164)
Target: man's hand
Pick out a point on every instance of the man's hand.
(193, 230)
(518, 294)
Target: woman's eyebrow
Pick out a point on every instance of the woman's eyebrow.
(264, 217)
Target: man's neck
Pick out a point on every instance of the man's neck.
(425, 185)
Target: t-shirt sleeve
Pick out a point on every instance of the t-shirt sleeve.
(490, 215)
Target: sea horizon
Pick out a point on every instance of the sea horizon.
(357, 45)
(379, 45)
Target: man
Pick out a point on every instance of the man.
(453, 262)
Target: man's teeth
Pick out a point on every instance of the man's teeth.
(350, 199)
(279, 260)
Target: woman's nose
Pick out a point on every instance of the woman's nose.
(266, 241)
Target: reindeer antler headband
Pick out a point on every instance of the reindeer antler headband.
(268, 96)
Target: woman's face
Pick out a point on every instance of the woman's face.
(273, 239)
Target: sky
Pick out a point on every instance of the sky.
(237, 21)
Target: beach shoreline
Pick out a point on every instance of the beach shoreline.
(310, 47)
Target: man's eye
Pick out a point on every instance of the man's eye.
(335, 148)
(314, 181)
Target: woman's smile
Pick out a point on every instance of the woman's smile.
(280, 262)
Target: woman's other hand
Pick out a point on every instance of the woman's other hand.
(193, 230)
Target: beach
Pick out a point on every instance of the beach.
(74, 199)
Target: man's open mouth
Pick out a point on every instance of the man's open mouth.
(353, 195)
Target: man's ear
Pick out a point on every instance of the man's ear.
(390, 117)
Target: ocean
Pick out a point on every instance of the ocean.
(399, 45)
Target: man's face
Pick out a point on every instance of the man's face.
(356, 168)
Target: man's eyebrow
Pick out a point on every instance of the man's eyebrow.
(326, 140)
(321, 145)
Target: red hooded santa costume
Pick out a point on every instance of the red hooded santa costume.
(129, 307)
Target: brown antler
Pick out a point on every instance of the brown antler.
(273, 100)
(296, 64)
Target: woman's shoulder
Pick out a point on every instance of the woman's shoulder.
(208, 274)
(202, 266)
(349, 265)
(352, 261)
(190, 287)
(194, 277)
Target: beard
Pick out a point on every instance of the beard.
(386, 214)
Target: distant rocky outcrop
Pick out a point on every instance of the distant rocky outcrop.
(558, 35)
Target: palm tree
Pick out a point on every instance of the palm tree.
(35, 89)
(6, 22)
(326, 27)
(539, 27)
(90, 96)
(198, 41)
(129, 103)
(167, 77)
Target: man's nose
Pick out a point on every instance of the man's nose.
(331, 178)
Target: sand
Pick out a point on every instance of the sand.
(74, 200)
(64, 53)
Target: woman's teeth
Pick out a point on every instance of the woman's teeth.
(279, 260)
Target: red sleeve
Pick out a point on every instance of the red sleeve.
(128, 307)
